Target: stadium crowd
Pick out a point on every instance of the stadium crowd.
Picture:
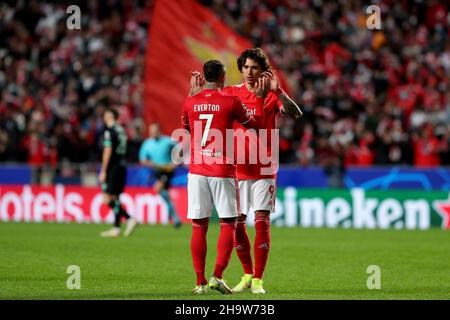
(55, 84)
(369, 97)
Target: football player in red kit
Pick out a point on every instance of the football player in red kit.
(212, 169)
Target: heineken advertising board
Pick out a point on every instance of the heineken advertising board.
(309, 208)
(358, 208)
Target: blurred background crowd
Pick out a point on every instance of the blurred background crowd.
(370, 97)
(55, 83)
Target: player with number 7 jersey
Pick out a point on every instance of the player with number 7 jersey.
(209, 116)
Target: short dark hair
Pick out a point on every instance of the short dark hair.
(213, 70)
(114, 112)
(255, 54)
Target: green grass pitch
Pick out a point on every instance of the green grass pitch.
(155, 263)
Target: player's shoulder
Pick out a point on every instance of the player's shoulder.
(230, 90)
(193, 98)
(112, 131)
(117, 128)
(190, 98)
(229, 98)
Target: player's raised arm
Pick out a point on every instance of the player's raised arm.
(197, 83)
(185, 118)
(261, 89)
(288, 105)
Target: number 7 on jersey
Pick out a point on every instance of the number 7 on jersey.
(208, 118)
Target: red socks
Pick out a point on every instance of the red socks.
(262, 244)
(230, 235)
(198, 248)
(242, 245)
(224, 246)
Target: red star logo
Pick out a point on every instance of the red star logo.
(443, 208)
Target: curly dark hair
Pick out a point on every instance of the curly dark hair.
(255, 54)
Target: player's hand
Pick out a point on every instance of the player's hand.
(261, 87)
(102, 176)
(197, 82)
(272, 78)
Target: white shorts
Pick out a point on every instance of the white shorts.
(257, 194)
(206, 192)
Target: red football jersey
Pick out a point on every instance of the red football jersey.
(208, 115)
(253, 165)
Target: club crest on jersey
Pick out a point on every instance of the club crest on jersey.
(250, 112)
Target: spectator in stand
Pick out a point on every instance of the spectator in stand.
(426, 148)
(338, 66)
(67, 76)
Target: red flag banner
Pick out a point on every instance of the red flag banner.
(182, 36)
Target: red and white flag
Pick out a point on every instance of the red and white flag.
(183, 35)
